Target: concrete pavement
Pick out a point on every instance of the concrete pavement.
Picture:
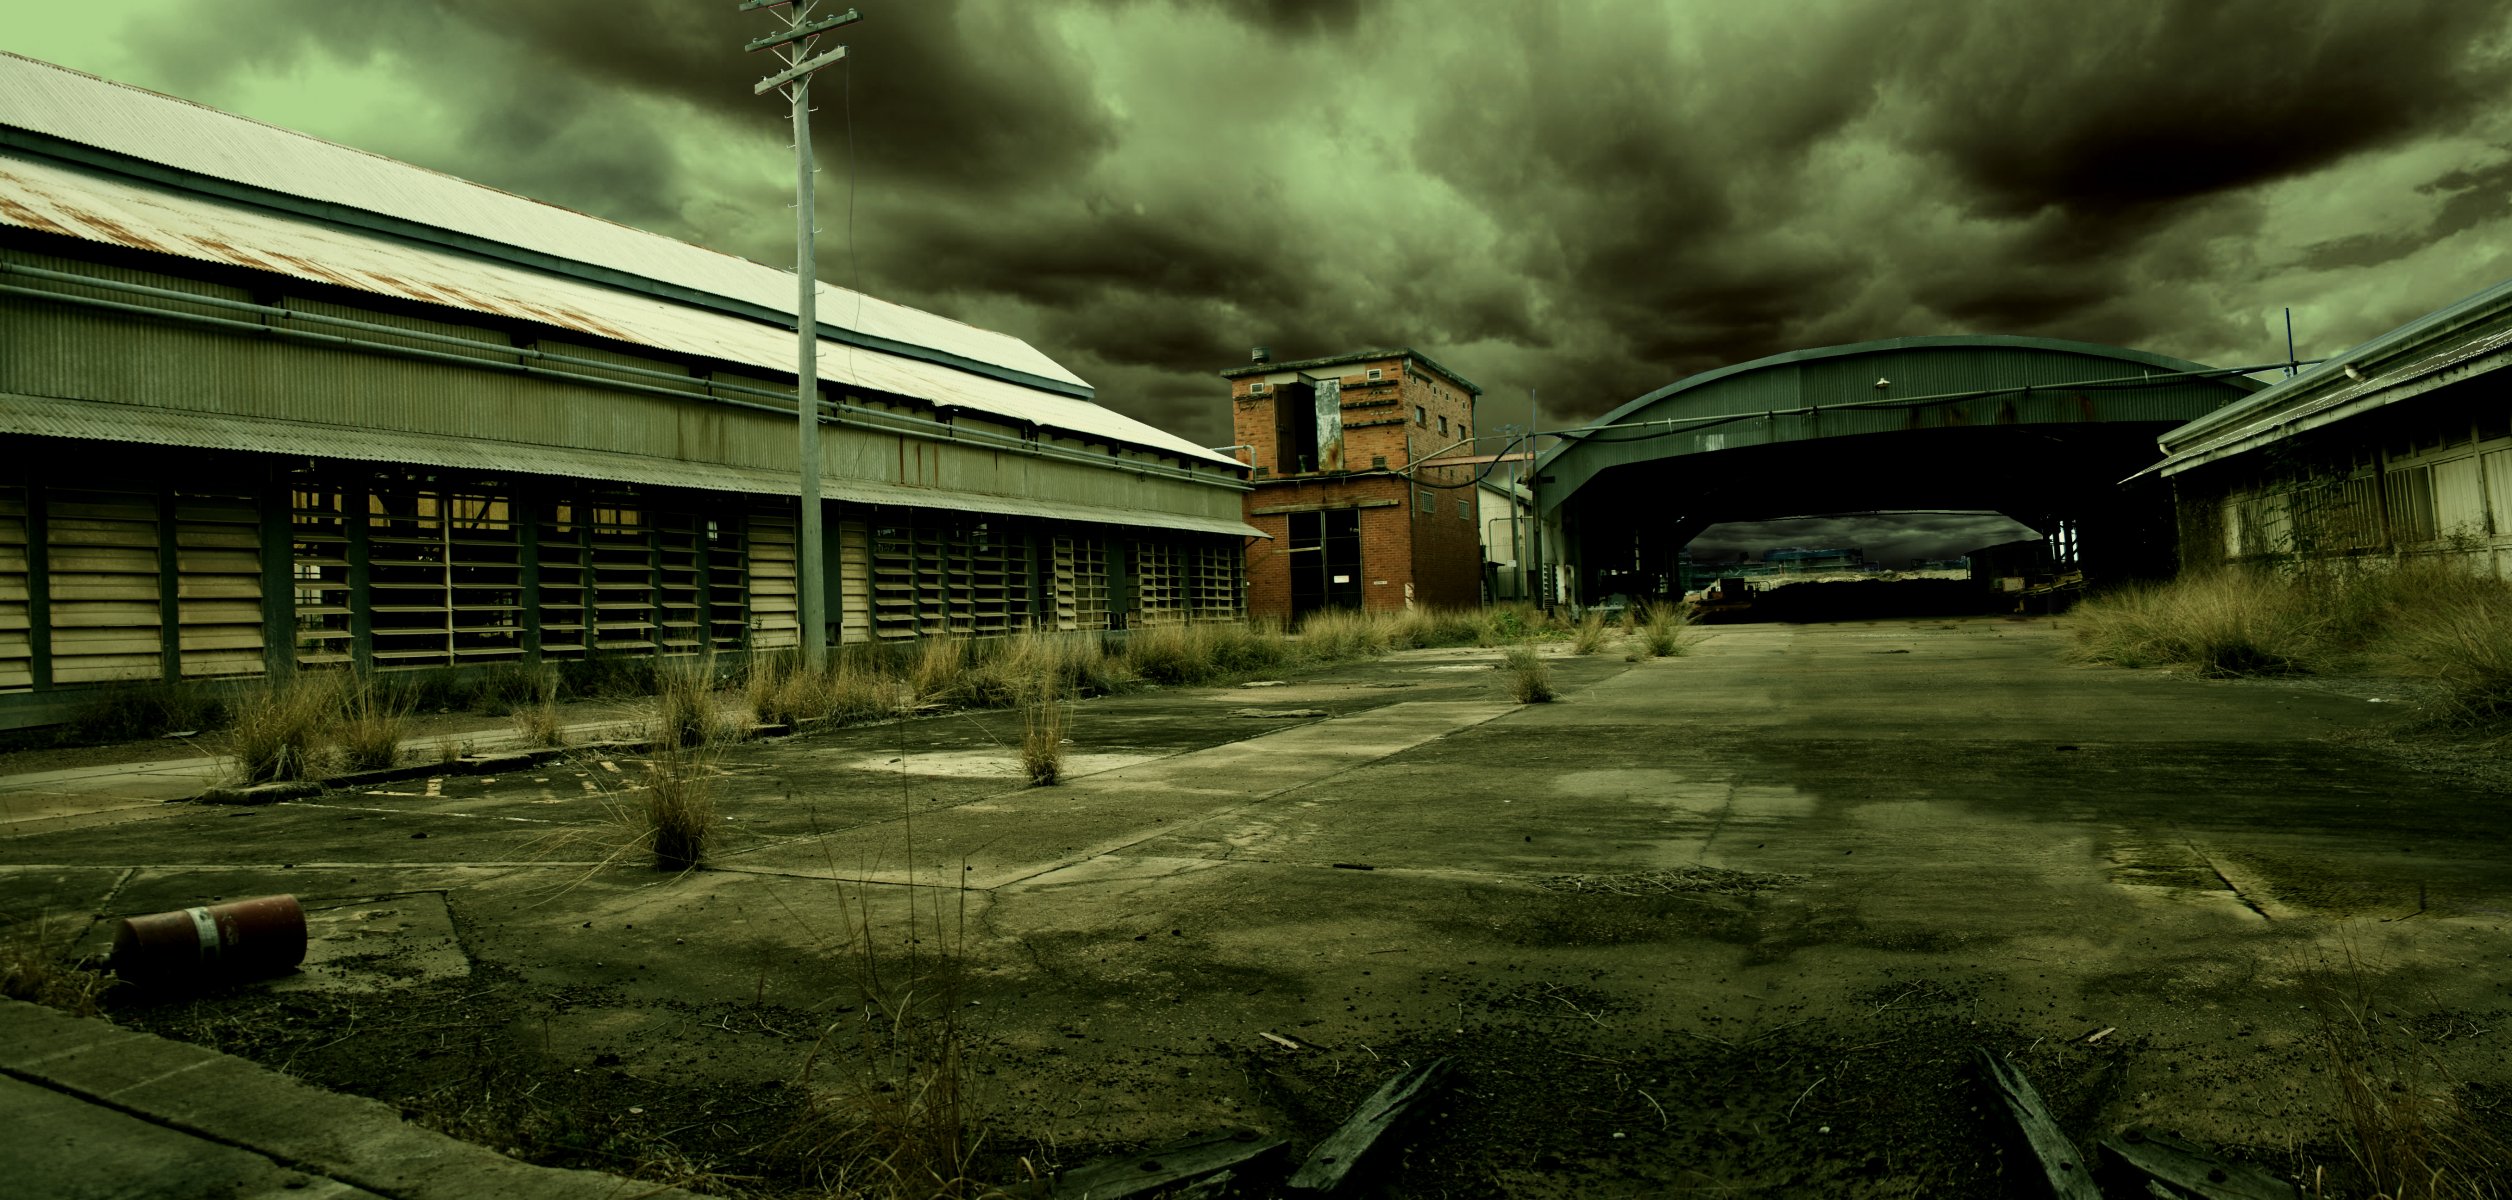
(1733, 920)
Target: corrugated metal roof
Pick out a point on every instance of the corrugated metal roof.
(2469, 336)
(1840, 380)
(90, 420)
(96, 206)
(81, 109)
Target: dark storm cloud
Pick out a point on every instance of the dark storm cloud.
(1591, 199)
(2112, 107)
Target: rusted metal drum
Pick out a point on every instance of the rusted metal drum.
(243, 939)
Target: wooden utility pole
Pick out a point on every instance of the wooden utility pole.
(794, 44)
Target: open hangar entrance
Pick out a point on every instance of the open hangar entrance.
(2036, 429)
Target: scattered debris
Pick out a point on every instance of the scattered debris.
(1354, 867)
(1257, 683)
(2104, 1032)
(1278, 1039)
(1335, 1157)
(1164, 1166)
(2157, 1165)
(1277, 714)
(2060, 1162)
(1716, 880)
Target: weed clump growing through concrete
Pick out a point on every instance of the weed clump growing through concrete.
(679, 806)
(1589, 637)
(1664, 631)
(373, 717)
(686, 715)
(536, 718)
(1529, 679)
(1044, 719)
(280, 725)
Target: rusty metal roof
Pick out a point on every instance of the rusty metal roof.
(93, 205)
(92, 420)
(168, 138)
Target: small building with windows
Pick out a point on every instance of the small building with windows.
(271, 403)
(1352, 518)
(2395, 449)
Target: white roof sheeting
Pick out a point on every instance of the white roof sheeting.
(96, 206)
(75, 107)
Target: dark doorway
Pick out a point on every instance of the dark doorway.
(1325, 561)
(1295, 429)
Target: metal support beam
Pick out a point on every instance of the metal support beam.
(279, 592)
(38, 582)
(525, 504)
(355, 504)
(169, 589)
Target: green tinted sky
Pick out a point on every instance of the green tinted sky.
(1591, 198)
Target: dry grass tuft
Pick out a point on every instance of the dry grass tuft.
(36, 966)
(1664, 630)
(1529, 679)
(1589, 637)
(280, 725)
(374, 715)
(679, 806)
(686, 715)
(535, 712)
(1045, 716)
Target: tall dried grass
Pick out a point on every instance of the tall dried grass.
(2435, 620)
(278, 726)
(1045, 718)
(686, 713)
(2402, 1122)
(374, 717)
(535, 717)
(679, 805)
(2223, 623)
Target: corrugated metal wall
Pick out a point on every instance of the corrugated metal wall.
(396, 569)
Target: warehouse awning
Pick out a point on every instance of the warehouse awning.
(44, 416)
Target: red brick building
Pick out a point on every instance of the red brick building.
(1354, 522)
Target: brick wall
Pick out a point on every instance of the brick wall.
(1386, 422)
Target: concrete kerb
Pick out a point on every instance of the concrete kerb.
(210, 1097)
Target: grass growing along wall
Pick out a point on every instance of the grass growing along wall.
(2431, 619)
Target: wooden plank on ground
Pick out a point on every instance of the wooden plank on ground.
(2060, 1162)
(1164, 1166)
(1334, 1158)
(2158, 1164)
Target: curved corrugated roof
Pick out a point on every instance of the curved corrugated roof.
(135, 129)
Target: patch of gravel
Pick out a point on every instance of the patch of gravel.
(1710, 880)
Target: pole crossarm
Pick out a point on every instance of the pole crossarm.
(798, 72)
(807, 29)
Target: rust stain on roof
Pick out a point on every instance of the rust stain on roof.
(28, 217)
(118, 233)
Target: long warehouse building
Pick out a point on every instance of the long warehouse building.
(269, 402)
